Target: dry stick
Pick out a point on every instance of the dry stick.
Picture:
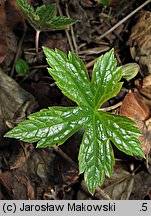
(123, 20)
(64, 156)
(72, 33)
(66, 31)
(91, 63)
(99, 193)
(111, 107)
(37, 41)
(116, 34)
(74, 40)
(18, 49)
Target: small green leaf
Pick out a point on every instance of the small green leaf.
(21, 67)
(56, 124)
(129, 71)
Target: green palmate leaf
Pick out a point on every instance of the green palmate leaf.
(105, 78)
(96, 155)
(61, 22)
(29, 12)
(25, 7)
(71, 76)
(56, 124)
(44, 18)
(122, 132)
(49, 126)
(45, 14)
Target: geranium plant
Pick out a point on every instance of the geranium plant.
(55, 125)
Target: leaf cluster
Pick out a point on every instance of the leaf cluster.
(44, 18)
(56, 124)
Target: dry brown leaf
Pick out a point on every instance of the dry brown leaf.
(142, 186)
(2, 13)
(15, 104)
(70, 175)
(120, 185)
(3, 43)
(2, 2)
(8, 9)
(140, 42)
(32, 179)
(17, 184)
(23, 180)
(3, 48)
(6, 179)
(145, 89)
(19, 157)
(135, 108)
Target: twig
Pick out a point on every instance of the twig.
(123, 20)
(111, 107)
(99, 193)
(81, 46)
(116, 34)
(91, 63)
(72, 33)
(74, 40)
(18, 49)
(66, 31)
(64, 156)
(38, 66)
(37, 41)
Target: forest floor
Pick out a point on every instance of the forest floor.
(52, 173)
